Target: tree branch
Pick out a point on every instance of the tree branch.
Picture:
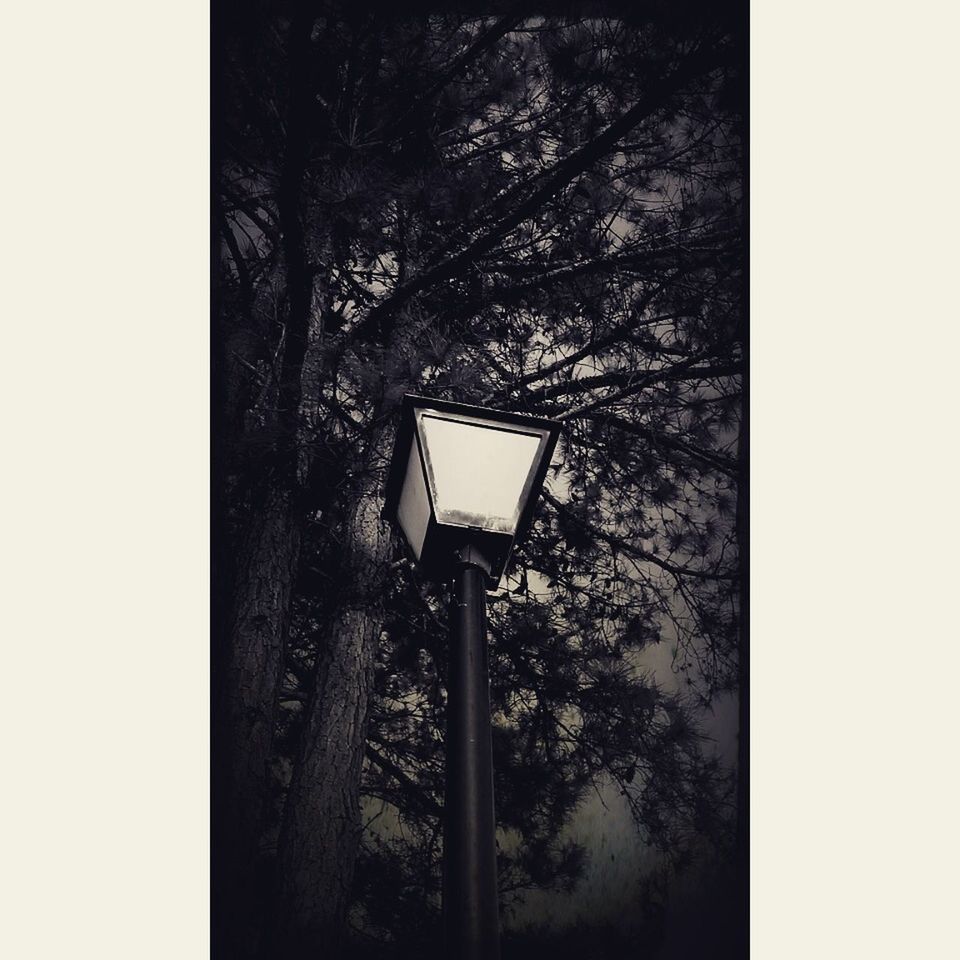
(246, 207)
(483, 43)
(633, 551)
(631, 381)
(716, 460)
(670, 373)
(382, 316)
(413, 788)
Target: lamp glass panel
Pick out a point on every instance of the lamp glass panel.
(479, 471)
(413, 511)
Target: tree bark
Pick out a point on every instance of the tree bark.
(321, 830)
(244, 719)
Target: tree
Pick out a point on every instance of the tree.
(535, 213)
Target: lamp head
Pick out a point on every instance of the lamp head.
(463, 477)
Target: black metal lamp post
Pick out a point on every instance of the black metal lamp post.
(462, 487)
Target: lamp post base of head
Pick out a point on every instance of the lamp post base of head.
(472, 555)
(470, 911)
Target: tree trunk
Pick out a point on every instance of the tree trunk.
(244, 719)
(321, 830)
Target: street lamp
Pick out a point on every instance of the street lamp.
(462, 486)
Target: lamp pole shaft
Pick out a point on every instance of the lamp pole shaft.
(471, 922)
